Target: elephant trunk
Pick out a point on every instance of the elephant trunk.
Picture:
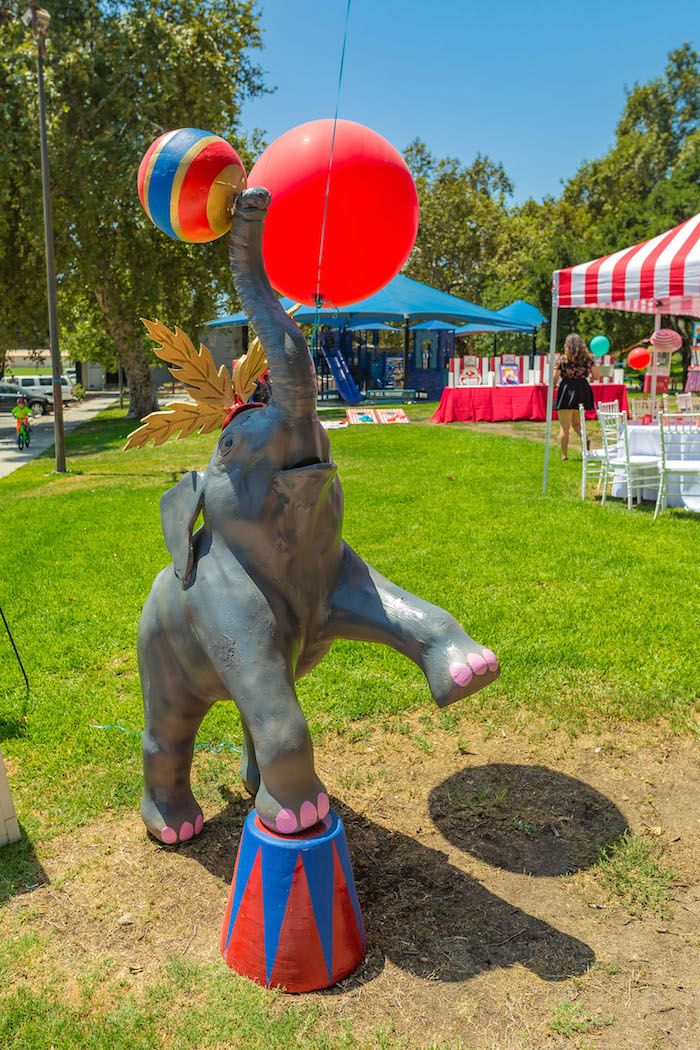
(291, 367)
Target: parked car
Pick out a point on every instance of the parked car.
(9, 392)
(44, 385)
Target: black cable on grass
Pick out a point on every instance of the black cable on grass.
(19, 660)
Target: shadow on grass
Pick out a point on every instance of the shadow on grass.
(527, 819)
(99, 435)
(20, 869)
(12, 727)
(426, 915)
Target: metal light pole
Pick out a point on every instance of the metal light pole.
(38, 19)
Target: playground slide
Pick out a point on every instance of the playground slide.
(347, 387)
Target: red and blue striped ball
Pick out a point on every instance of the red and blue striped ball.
(187, 182)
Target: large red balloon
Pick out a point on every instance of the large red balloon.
(371, 220)
(638, 358)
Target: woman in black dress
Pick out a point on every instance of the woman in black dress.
(572, 372)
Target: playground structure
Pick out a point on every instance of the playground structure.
(424, 321)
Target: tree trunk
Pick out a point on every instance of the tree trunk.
(130, 352)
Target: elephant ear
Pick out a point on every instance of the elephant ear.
(179, 509)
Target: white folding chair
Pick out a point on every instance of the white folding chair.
(609, 406)
(680, 454)
(637, 471)
(593, 458)
(684, 403)
(644, 407)
(665, 406)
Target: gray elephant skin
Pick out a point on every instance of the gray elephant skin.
(255, 597)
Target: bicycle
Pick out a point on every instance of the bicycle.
(23, 434)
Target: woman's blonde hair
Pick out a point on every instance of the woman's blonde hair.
(575, 348)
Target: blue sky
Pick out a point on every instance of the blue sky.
(538, 86)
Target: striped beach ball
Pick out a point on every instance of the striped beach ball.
(187, 181)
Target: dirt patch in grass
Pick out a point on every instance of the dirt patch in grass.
(490, 920)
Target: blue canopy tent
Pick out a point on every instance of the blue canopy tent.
(433, 326)
(402, 300)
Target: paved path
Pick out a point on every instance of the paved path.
(42, 432)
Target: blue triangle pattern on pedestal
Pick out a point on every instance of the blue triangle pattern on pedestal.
(247, 852)
(277, 872)
(318, 865)
(345, 863)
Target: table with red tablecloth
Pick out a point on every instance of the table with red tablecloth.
(495, 404)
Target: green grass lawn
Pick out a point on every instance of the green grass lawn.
(592, 611)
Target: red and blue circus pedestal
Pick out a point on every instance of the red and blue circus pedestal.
(293, 920)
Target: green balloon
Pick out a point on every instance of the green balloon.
(600, 344)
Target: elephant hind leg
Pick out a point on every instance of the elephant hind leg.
(369, 608)
(172, 716)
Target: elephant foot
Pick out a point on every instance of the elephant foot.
(297, 815)
(172, 821)
(461, 670)
(250, 774)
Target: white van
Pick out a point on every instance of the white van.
(44, 385)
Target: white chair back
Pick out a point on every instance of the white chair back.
(610, 420)
(645, 408)
(684, 403)
(680, 454)
(593, 464)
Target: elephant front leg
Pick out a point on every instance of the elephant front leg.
(369, 608)
(278, 761)
(289, 797)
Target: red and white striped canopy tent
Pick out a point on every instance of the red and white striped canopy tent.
(658, 276)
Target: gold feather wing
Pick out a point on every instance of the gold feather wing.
(178, 416)
(194, 368)
(213, 391)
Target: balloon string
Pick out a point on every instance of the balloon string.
(330, 165)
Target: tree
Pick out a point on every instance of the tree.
(119, 73)
(462, 210)
(473, 242)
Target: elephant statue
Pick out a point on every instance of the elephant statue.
(256, 596)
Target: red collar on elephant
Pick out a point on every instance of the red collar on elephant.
(234, 410)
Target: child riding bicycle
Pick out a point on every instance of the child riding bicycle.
(22, 414)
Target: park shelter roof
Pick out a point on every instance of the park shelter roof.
(433, 326)
(661, 275)
(518, 316)
(402, 299)
(522, 313)
(370, 326)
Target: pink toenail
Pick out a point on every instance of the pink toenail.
(308, 815)
(198, 823)
(323, 805)
(168, 835)
(186, 831)
(461, 674)
(491, 659)
(477, 663)
(286, 822)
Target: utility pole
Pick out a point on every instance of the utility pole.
(38, 20)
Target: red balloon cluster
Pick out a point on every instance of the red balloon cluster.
(368, 225)
(639, 358)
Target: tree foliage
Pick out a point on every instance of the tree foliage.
(474, 242)
(118, 73)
